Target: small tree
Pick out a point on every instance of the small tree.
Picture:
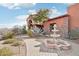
(38, 18)
(41, 16)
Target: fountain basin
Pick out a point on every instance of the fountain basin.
(64, 45)
(57, 35)
(55, 30)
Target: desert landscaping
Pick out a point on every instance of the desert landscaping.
(37, 34)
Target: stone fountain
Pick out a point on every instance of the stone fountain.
(55, 42)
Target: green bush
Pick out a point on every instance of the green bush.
(23, 30)
(17, 43)
(5, 52)
(13, 42)
(29, 32)
(8, 35)
(9, 41)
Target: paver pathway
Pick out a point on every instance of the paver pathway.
(35, 51)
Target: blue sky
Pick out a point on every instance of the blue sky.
(16, 13)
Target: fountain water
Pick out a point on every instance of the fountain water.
(56, 42)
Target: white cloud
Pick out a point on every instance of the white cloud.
(22, 20)
(22, 17)
(17, 5)
(55, 12)
(32, 11)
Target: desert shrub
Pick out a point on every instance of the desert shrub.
(8, 35)
(16, 43)
(23, 30)
(74, 34)
(5, 52)
(13, 42)
(9, 41)
(29, 32)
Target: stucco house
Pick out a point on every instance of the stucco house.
(65, 23)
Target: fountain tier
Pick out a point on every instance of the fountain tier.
(55, 42)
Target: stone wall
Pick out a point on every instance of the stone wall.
(66, 34)
(64, 29)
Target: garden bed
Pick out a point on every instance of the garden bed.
(16, 50)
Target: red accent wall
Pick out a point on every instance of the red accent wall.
(59, 22)
(73, 19)
(73, 11)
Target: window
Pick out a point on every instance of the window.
(51, 26)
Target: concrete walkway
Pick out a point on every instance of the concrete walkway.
(35, 51)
